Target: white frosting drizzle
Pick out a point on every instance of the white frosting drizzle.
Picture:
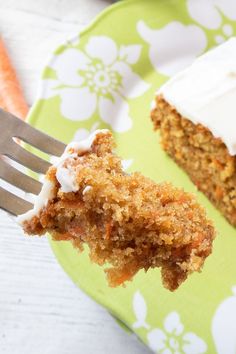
(153, 105)
(67, 178)
(41, 201)
(65, 175)
(86, 189)
(205, 93)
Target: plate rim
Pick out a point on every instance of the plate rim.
(34, 114)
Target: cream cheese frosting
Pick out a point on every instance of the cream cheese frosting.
(205, 92)
(47, 193)
(65, 175)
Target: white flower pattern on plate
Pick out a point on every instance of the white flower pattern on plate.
(140, 310)
(227, 31)
(173, 340)
(173, 47)
(99, 79)
(208, 12)
(224, 324)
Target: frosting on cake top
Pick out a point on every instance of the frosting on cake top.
(205, 92)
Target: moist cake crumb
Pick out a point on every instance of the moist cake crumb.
(127, 220)
(195, 113)
(205, 158)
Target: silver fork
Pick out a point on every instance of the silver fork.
(12, 127)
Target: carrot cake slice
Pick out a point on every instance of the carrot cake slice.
(195, 112)
(126, 220)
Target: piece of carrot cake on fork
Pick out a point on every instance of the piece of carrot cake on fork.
(125, 219)
(195, 112)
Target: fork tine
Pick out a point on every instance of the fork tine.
(18, 179)
(12, 203)
(25, 158)
(41, 141)
(19, 129)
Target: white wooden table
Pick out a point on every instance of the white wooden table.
(41, 310)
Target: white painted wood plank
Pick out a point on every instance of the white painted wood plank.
(41, 310)
(33, 29)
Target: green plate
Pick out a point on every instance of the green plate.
(106, 77)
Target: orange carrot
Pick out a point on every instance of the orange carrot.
(108, 230)
(11, 96)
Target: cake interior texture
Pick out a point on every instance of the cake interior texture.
(205, 158)
(128, 221)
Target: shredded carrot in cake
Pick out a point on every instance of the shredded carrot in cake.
(127, 220)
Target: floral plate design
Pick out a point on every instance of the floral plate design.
(106, 77)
